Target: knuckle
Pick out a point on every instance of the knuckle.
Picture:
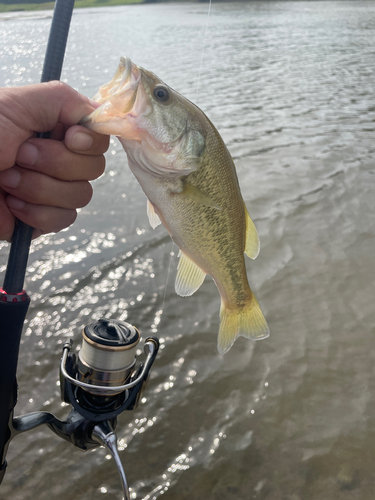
(85, 194)
(43, 219)
(39, 183)
(70, 217)
(98, 167)
(101, 167)
(57, 86)
(6, 228)
(52, 222)
(102, 142)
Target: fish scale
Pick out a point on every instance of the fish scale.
(218, 235)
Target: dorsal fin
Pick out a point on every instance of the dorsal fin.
(152, 215)
(252, 243)
(189, 276)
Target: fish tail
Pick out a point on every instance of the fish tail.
(247, 321)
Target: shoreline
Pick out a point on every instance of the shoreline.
(79, 4)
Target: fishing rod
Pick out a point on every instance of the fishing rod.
(104, 379)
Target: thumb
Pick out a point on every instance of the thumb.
(36, 108)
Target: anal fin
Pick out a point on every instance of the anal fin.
(189, 276)
(252, 243)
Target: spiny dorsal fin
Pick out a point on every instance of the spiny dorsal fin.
(189, 276)
(152, 215)
(252, 243)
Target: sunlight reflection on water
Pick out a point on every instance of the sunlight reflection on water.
(289, 85)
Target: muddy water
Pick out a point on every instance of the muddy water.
(290, 86)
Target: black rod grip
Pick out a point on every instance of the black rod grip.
(17, 260)
(12, 315)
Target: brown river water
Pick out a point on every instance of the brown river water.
(291, 88)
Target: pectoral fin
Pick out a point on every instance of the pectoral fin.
(189, 276)
(252, 243)
(152, 215)
(198, 196)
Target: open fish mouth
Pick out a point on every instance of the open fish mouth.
(121, 90)
(122, 96)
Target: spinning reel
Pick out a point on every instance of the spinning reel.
(100, 382)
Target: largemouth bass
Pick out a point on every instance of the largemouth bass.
(189, 178)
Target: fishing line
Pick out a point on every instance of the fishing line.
(202, 54)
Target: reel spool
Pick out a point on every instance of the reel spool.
(107, 356)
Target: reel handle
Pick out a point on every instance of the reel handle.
(104, 434)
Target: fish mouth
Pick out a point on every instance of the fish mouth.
(120, 99)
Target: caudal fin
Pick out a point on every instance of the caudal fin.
(247, 321)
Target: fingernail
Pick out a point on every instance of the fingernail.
(15, 203)
(10, 178)
(27, 154)
(81, 141)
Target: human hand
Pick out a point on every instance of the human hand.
(44, 181)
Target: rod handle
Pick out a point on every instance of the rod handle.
(13, 309)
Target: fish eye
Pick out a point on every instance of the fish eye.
(161, 93)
